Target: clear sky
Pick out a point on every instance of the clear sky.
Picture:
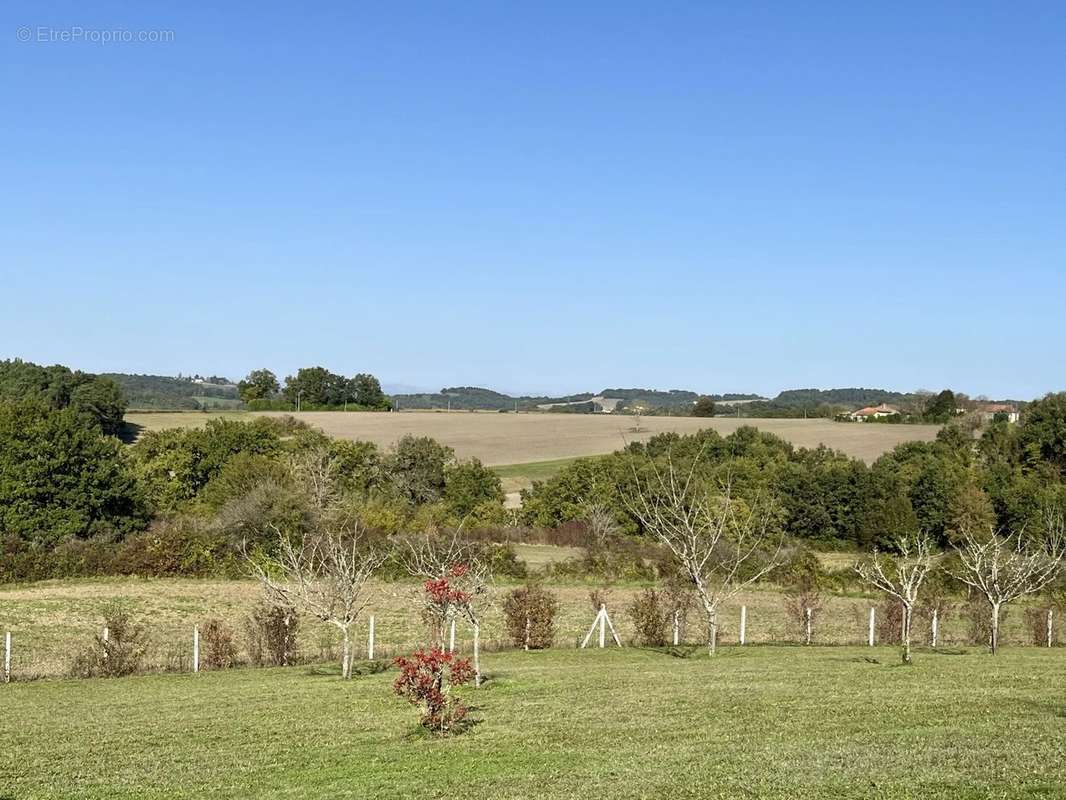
(548, 196)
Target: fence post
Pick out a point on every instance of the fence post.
(1050, 617)
(677, 627)
(936, 622)
(451, 638)
(872, 613)
(807, 616)
(196, 648)
(743, 624)
(603, 626)
(370, 641)
(7, 657)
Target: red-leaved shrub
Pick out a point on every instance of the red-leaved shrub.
(426, 680)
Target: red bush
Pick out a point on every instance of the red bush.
(426, 680)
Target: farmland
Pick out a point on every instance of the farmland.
(633, 723)
(501, 439)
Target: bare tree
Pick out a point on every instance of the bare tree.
(324, 574)
(317, 472)
(901, 576)
(717, 540)
(1004, 568)
(465, 574)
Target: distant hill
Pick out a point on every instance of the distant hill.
(481, 399)
(856, 397)
(165, 393)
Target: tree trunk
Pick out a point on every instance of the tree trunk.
(907, 618)
(993, 640)
(477, 654)
(346, 657)
(712, 633)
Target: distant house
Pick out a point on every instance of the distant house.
(989, 410)
(873, 412)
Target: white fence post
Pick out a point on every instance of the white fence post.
(807, 615)
(936, 625)
(677, 627)
(743, 624)
(1050, 617)
(872, 614)
(451, 638)
(370, 640)
(603, 626)
(196, 648)
(7, 657)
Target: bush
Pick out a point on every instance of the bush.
(426, 679)
(1036, 624)
(804, 596)
(271, 631)
(120, 653)
(530, 611)
(978, 615)
(651, 617)
(890, 622)
(218, 650)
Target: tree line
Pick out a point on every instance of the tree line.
(312, 388)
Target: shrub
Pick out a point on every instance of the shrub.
(218, 650)
(651, 617)
(271, 631)
(426, 679)
(1036, 624)
(120, 653)
(890, 622)
(530, 611)
(803, 597)
(978, 615)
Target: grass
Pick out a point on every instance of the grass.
(510, 439)
(51, 620)
(756, 722)
(516, 477)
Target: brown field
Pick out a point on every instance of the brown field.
(520, 438)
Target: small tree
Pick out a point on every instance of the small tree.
(1003, 568)
(325, 574)
(530, 613)
(457, 574)
(901, 577)
(716, 539)
(651, 614)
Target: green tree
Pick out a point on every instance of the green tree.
(99, 400)
(316, 386)
(1042, 435)
(258, 385)
(942, 407)
(416, 467)
(469, 484)
(704, 407)
(60, 478)
(365, 390)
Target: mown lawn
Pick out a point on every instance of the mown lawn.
(773, 721)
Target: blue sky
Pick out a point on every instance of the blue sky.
(543, 196)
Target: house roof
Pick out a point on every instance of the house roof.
(869, 411)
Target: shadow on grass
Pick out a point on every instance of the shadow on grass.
(128, 434)
(359, 669)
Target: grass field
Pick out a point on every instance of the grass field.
(51, 620)
(508, 439)
(756, 722)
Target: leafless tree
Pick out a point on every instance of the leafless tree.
(901, 576)
(1004, 568)
(716, 539)
(317, 472)
(449, 557)
(325, 574)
